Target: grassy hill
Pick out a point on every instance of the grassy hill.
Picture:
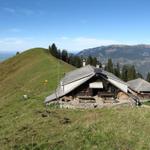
(28, 124)
(25, 74)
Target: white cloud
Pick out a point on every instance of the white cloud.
(15, 43)
(80, 43)
(10, 10)
(23, 11)
(74, 44)
(64, 38)
(10, 40)
(93, 41)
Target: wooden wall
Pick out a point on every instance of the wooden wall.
(84, 90)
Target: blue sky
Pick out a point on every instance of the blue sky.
(73, 24)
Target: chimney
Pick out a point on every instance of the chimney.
(84, 63)
(103, 66)
(97, 66)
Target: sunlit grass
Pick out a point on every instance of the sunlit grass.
(28, 124)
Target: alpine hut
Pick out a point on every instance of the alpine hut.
(92, 85)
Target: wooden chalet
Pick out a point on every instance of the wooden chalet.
(90, 84)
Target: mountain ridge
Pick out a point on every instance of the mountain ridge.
(138, 55)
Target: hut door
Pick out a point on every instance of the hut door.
(95, 92)
(96, 87)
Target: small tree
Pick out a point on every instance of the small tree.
(124, 73)
(94, 61)
(139, 75)
(131, 73)
(64, 55)
(78, 61)
(89, 60)
(54, 50)
(71, 58)
(109, 66)
(59, 53)
(17, 53)
(117, 70)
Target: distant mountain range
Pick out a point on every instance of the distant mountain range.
(139, 55)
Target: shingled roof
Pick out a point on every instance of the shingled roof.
(85, 72)
(78, 74)
(139, 85)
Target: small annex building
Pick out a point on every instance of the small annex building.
(141, 87)
(91, 86)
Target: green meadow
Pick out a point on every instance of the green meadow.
(30, 125)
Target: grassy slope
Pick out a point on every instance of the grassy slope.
(29, 125)
(25, 74)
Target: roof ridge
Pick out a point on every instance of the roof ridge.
(92, 68)
(76, 69)
(145, 81)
